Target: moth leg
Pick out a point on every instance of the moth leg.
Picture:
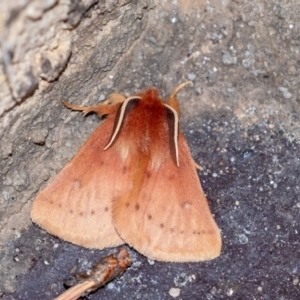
(172, 101)
(100, 109)
(198, 167)
(107, 107)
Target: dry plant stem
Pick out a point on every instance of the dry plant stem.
(76, 291)
(105, 270)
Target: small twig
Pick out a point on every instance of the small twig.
(105, 270)
(76, 291)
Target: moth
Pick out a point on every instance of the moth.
(133, 181)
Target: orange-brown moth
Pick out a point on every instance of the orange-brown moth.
(133, 181)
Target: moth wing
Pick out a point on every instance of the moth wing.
(167, 216)
(76, 206)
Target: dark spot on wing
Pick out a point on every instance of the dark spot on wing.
(171, 177)
(124, 170)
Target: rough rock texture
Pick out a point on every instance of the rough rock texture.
(241, 119)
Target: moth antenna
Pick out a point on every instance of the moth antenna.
(172, 101)
(179, 87)
(123, 111)
(174, 129)
(114, 99)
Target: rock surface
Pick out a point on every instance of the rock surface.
(241, 119)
